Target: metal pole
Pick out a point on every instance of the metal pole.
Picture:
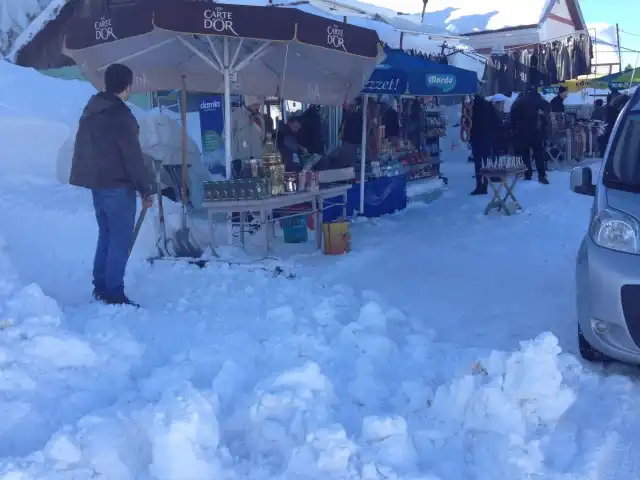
(227, 109)
(227, 126)
(363, 151)
(183, 150)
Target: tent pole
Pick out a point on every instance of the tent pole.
(227, 123)
(227, 109)
(363, 150)
(183, 150)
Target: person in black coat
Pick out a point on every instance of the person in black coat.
(528, 131)
(485, 123)
(557, 102)
(310, 134)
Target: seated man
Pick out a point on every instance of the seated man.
(288, 146)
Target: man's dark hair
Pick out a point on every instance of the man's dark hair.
(562, 90)
(295, 118)
(599, 102)
(117, 78)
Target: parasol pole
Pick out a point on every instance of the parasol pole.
(363, 151)
(183, 150)
(227, 108)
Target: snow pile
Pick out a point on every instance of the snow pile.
(42, 362)
(351, 400)
(458, 16)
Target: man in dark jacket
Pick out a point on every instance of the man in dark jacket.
(287, 143)
(527, 131)
(485, 124)
(598, 111)
(107, 159)
(557, 102)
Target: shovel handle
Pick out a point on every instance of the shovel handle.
(138, 226)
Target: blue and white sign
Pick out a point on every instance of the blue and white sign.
(445, 82)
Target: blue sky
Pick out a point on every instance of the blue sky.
(626, 13)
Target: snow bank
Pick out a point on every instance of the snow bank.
(48, 372)
(352, 400)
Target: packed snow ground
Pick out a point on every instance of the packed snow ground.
(433, 351)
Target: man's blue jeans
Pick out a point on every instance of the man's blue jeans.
(116, 214)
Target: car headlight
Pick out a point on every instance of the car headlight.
(616, 231)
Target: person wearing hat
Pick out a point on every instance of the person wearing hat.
(557, 102)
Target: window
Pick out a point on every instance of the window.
(622, 171)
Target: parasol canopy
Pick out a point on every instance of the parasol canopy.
(266, 51)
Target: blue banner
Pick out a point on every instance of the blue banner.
(211, 110)
(405, 74)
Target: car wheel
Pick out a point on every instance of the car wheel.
(589, 353)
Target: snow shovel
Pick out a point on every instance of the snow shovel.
(136, 229)
(184, 243)
(162, 239)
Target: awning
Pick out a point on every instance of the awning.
(618, 81)
(268, 51)
(404, 74)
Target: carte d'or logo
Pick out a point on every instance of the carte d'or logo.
(335, 37)
(104, 30)
(219, 20)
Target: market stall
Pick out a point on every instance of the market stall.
(221, 47)
(389, 159)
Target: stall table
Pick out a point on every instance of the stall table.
(503, 183)
(267, 205)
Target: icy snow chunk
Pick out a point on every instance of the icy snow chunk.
(532, 376)
(372, 317)
(228, 380)
(327, 453)
(324, 314)
(31, 302)
(281, 315)
(294, 404)
(309, 377)
(389, 438)
(185, 436)
(16, 378)
(61, 352)
(63, 450)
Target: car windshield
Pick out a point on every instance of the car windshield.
(622, 171)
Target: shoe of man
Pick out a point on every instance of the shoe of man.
(543, 180)
(107, 159)
(120, 300)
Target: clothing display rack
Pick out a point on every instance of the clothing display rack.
(539, 64)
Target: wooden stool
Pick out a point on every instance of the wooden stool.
(503, 182)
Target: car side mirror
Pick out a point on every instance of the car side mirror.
(582, 181)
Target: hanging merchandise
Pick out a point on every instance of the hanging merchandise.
(539, 65)
(466, 124)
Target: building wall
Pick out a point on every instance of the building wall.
(558, 23)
